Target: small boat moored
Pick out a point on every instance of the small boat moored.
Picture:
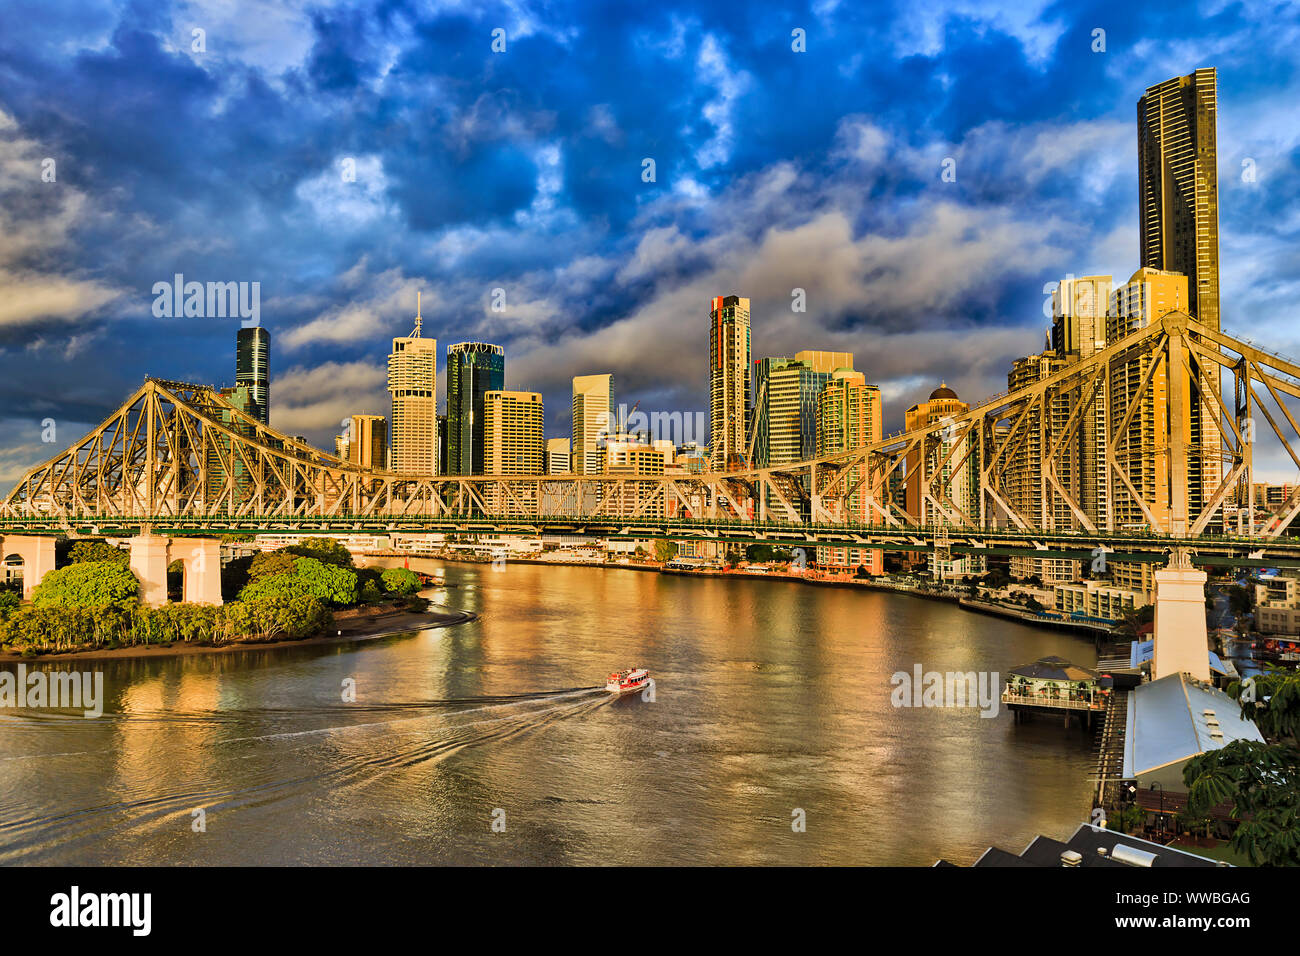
(625, 682)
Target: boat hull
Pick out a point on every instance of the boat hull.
(618, 690)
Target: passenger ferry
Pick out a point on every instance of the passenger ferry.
(625, 682)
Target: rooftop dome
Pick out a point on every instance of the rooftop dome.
(943, 391)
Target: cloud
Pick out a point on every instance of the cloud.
(314, 401)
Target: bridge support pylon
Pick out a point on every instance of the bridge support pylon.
(149, 565)
(202, 558)
(1180, 635)
(37, 552)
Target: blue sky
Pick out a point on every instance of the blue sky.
(522, 170)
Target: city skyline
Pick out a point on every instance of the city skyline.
(725, 209)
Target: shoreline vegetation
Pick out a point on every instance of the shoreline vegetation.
(304, 594)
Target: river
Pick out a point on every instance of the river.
(487, 742)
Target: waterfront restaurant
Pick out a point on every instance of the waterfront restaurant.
(1054, 685)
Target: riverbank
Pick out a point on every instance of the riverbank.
(348, 631)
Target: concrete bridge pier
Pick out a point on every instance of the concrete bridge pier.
(202, 558)
(37, 552)
(149, 565)
(150, 555)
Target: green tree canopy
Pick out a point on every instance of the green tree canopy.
(83, 551)
(665, 550)
(400, 581)
(266, 563)
(1262, 782)
(322, 549)
(91, 584)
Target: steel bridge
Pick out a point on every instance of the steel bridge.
(1175, 458)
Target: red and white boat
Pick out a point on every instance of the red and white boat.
(628, 681)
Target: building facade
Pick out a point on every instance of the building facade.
(367, 441)
(850, 415)
(413, 394)
(558, 461)
(512, 433)
(730, 387)
(253, 369)
(473, 370)
(593, 420)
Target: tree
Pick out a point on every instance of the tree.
(83, 551)
(90, 584)
(9, 601)
(665, 550)
(267, 563)
(400, 581)
(322, 549)
(331, 583)
(1241, 601)
(1262, 782)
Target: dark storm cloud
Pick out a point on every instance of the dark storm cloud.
(523, 171)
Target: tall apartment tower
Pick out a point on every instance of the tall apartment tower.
(1028, 481)
(473, 370)
(729, 382)
(1142, 447)
(953, 461)
(1178, 186)
(512, 433)
(253, 369)
(850, 415)
(593, 422)
(413, 389)
(1079, 307)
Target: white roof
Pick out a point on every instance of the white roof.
(1175, 718)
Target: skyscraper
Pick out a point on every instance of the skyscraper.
(1079, 308)
(253, 369)
(512, 433)
(593, 408)
(368, 441)
(729, 382)
(473, 370)
(413, 389)
(1178, 186)
(952, 460)
(1028, 479)
(784, 419)
(850, 415)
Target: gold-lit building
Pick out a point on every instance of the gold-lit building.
(512, 433)
(558, 461)
(1028, 483)
(1079, 308)
(593, 410)
(952, 460)
(729, 382)
(413, 390)
(850, 415)
(1178, 186)
(367, 441)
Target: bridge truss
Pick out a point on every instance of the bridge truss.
(1170, 456)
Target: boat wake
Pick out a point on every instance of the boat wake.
(376, 739)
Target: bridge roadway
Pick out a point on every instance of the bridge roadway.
(1138, 546)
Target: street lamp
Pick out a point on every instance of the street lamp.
(1161, 816)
